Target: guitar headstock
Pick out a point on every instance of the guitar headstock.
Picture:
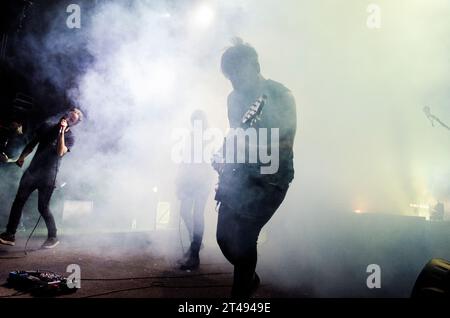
(254, 112)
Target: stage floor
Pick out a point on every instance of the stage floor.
(328, 260)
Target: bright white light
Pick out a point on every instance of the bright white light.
(421, 210)
(358, 211)
(155, 189)
(203, 16)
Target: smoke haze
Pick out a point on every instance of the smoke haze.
(363, 141)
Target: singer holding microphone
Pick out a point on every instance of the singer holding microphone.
(54, 140)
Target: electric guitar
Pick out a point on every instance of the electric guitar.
(231, 174)
(433, 118)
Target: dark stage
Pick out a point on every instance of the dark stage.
(225, 149)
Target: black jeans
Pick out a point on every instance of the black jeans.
(192, 211)
(238, 230)
(28, 184)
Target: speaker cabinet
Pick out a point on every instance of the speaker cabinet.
(433, 281)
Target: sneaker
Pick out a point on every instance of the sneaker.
(192, 263)
(184, 258)
(7, 239)
(187, 255)
(51, 242)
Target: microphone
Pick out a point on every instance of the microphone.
(61, 128)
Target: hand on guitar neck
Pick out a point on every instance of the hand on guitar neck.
(249, 119)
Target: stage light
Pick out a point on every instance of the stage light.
(203, 16)
(421, 210)
(357, 211)
(419, 206)
(163, 215)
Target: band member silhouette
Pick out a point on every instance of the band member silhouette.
(194, 183)
(55, 140)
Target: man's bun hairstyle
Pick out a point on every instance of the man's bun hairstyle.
(238, 54)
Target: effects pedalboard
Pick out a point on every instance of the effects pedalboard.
(41, 282)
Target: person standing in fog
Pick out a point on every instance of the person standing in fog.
(55, 141)
(248, 199)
